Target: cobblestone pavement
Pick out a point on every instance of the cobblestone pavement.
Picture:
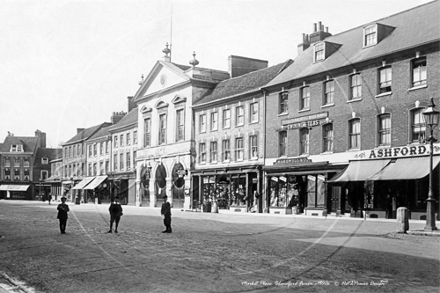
(225, 252)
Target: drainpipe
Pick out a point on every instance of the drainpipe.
(264, 185)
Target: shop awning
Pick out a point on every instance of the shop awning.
(53, 179)
(360, 170)
(83, 183)
(14, 187)
(406, 169)
(98, 180)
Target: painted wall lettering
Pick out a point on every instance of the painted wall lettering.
(399, 152)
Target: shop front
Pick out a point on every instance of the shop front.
(377, 185)
(297, 186)
(15, 191)
(234, 189)
(97, 190)
(56, 190)
(123, 186)
(80, 194)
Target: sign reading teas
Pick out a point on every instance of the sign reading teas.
(305, 121)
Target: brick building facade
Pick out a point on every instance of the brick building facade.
(351, 98)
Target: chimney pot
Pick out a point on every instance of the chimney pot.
(314, 27)
(326, 29)
(319, 26)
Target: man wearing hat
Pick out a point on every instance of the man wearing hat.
(63, 209)
(166, 212)
(115, 210)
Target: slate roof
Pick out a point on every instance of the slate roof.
(243, 84)
(50, 153)
(413, 27)
(130, 118)
(86, 133)
(29, 143)
(103, 132)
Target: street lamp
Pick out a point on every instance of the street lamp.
(431, 119)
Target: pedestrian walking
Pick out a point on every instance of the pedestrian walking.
(63, 209)
(166, 212)
(115, 210)
(49, 198)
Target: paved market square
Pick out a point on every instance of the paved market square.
(208, 252)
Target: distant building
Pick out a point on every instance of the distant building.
(122, 175)
(24, 165)
(56, 166)
(75, 159)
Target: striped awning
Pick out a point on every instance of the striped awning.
(83, 183)
(98, 180)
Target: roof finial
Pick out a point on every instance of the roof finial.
(194, 62)
(142, 80)
(167, 51)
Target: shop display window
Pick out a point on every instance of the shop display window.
(284, 191)
(226, 191)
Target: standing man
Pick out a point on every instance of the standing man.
(115, 210)
(63, 209)
(49, 198)
(166, 212)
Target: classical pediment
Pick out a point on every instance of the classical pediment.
(163, 76)
(178, 99)
(145, 109)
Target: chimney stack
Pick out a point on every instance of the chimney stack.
(78, 130)
(305, 43)
(116, 117)
(239, 65)
(319, 34)
(41, 138)
(131, 103)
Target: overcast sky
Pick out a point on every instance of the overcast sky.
(70, 64)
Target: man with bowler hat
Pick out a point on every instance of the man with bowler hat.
(63, 209)
(166, 212)
(115, 210)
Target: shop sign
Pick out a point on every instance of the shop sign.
(308, 121)
(394, 152)
(318, 116)
(292, 161)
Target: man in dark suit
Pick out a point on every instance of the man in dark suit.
(115, 210)
(166, 212)
(63, 209)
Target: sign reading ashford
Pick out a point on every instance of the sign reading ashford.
(305, 121)
(394, 152)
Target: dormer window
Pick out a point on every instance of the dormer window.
(319, 52)
(16, 148)
(370, 35)
(323, 50)
(375, 33)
